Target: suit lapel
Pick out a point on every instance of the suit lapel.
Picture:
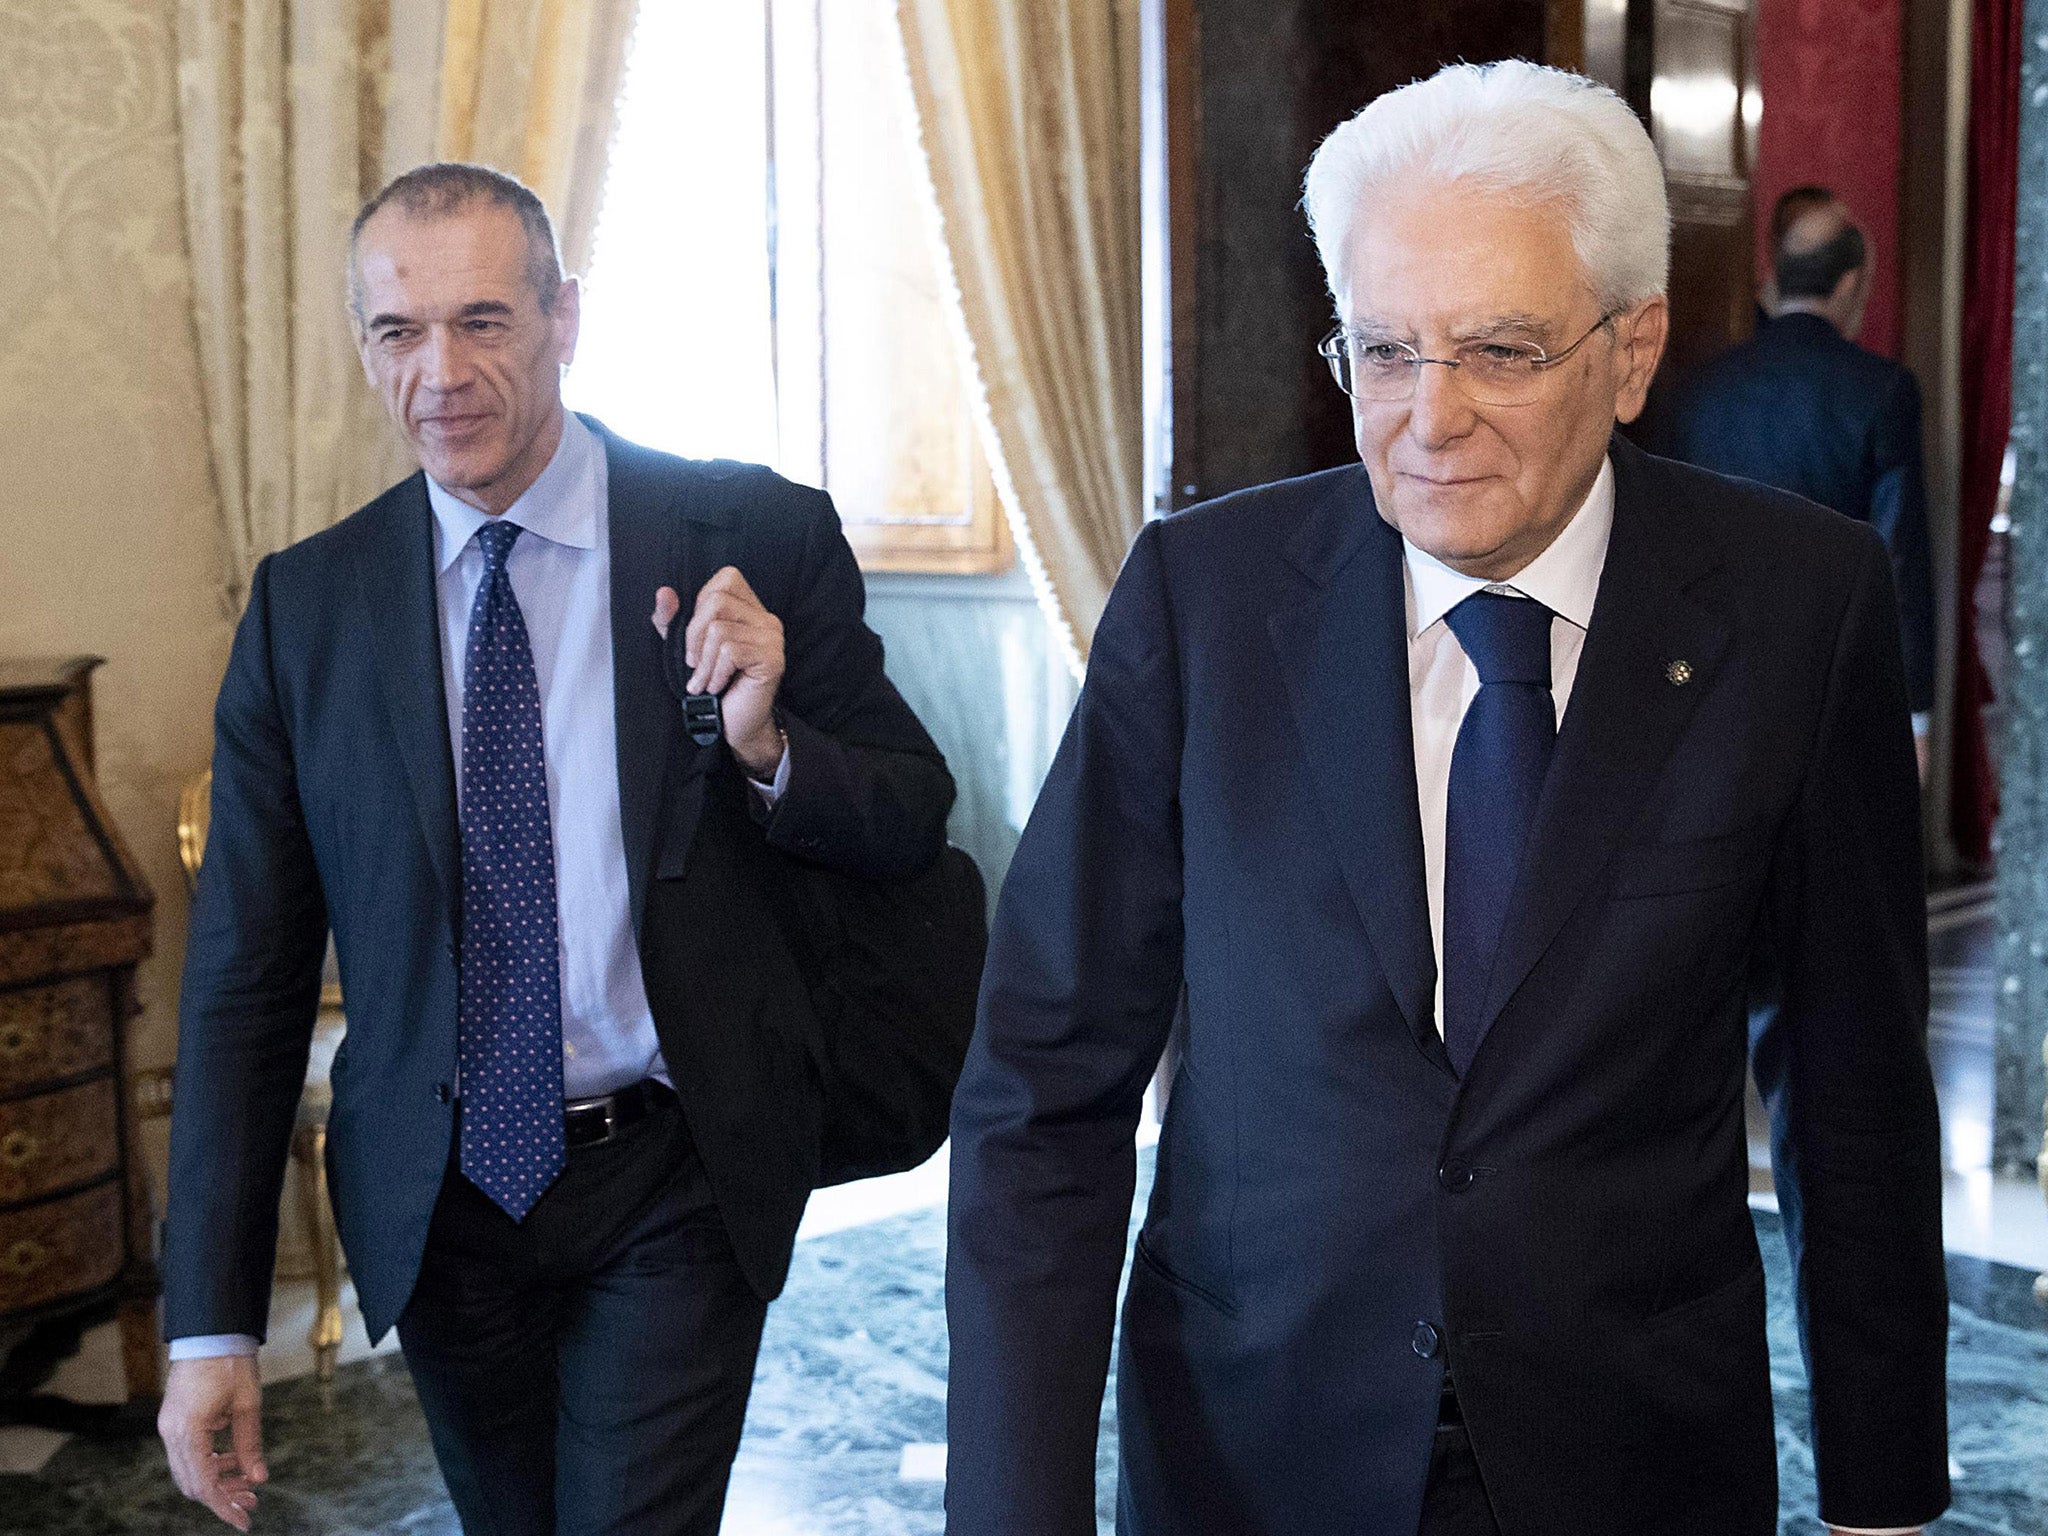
(663, 533)
(396, 587)
(1625, 716)
(1344, 656)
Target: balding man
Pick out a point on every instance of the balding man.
(576, 1118)
(1801, 407)
(1436, 804)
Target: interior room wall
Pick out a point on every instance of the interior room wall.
(107, 521)
(1831, 73)
(1250, 88)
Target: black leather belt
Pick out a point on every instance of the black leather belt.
(592, 1122)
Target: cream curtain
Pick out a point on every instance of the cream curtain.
(1028, 115)
(530, 87)
(291, 112)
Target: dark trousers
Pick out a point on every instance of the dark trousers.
(585, 1372)
(1454, 1501)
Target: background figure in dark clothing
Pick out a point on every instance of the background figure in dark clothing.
(1801, 407)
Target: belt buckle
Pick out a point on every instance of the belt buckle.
(607, 1105)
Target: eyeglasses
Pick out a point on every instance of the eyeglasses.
(1486, 372)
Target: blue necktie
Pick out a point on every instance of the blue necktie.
(510, 997)
(1497, 771)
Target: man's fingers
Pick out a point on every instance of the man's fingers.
(666, 606)
(729, 654)
(713, 613)
(729, 579)
(718, 667)
(746, 643)
(247, 1434)
(725, 596)
(203, 1399)
(214, 1479)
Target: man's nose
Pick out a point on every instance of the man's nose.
(444, 362)
(1439, 411)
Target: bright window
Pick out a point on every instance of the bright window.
(765, 282)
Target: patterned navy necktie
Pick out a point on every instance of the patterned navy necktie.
(510, 1009)
(1497, 770)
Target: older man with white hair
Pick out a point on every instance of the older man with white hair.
(1444, 806)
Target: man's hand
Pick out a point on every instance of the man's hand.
(201, 1399)
(734, 646)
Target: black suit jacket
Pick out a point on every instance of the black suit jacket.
(1800, 407)
(1230, 835)
(334, 806)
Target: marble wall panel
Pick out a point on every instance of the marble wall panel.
(2022, 836)
(973, 656)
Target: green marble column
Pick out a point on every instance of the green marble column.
(2023, 818)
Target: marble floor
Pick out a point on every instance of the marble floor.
(845, 1431)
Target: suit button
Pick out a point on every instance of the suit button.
(441, 1094)
(1455, 1177)
(1426, 1341)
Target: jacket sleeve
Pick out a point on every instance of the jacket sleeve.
(1083, 977)
(1841, 1060)
(1898, 511)
(868, 791)
(245, 1019)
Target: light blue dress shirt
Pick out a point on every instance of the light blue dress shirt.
(560, 570)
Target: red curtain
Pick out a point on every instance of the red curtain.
(1995, 45)
(1831, 73)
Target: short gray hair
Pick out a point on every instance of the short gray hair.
(1526, 131)
(447, 187)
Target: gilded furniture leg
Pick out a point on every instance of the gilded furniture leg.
(309, 1151)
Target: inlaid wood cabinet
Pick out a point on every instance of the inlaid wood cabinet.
(74, 920)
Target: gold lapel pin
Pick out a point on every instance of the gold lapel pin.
(1679, 673)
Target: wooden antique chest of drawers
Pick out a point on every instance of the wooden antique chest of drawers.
(74, 920)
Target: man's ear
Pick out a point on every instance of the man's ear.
(567, 318)
(1640, 337)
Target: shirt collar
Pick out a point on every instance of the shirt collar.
(1565, 578)
(559, 505)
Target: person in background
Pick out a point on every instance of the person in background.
(1436, 804)
(575, 1120)
(1789, 206)
(1801, 407)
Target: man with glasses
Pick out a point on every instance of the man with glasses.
(1438, 806)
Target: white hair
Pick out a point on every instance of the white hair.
(1526, 131)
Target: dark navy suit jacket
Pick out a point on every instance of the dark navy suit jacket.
(1230, 836)
(334, 806)
(1800, 407)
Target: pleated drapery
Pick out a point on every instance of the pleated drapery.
(291, 113)
(1028, 118)
(531, 87)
